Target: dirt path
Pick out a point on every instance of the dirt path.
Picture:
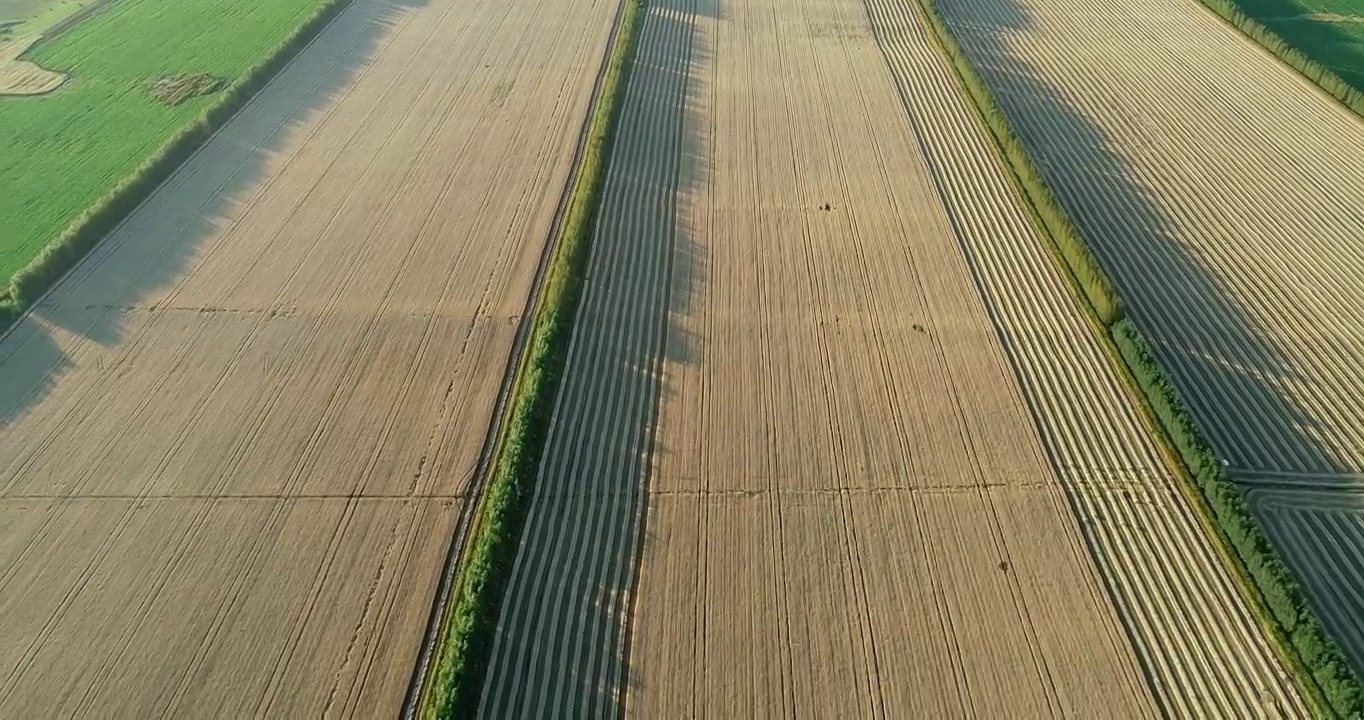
(830, 399)
(261, 399)
(1226, 197)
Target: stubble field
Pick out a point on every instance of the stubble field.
(834, 437)
(261, 400)
(1225, 196)
(1328, 31)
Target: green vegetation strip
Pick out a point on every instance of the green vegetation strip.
(1317, 662)
(70, 147)
(485, 562)
(1060, 233)
(1322, 76)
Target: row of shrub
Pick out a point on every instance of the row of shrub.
(29, 283)
(1061, 235)
(1292, 614)
(1333, 84)
(465, 642)
(1321, 667)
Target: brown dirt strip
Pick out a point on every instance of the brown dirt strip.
(262, 397)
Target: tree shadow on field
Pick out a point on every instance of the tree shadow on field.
(87, 318)
(564, 633)
(1222, 361)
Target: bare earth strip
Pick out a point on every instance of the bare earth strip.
(860, 435)
(1225, 195)
(233, 441)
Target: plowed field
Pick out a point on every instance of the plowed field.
(834, 438)
(233, 441)
(1225, 195)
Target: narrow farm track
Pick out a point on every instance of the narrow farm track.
(1225, 195)
(262, 399)
(866, 459)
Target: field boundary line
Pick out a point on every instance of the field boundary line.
(1273, 592)
(1325, 79)
(31, 284)
(447, 681)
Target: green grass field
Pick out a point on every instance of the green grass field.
(1330, 32)
(61, 152)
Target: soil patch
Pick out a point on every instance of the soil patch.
(175, 89)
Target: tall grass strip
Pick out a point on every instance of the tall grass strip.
(1289, 614)
(1316, 661)
(465, 642)
(29, 284)
(1320, 75)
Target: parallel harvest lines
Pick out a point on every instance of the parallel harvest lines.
(262, 399)
(1198, 641)
(582, 528)
(1225, 195)
(1322, 534)
(890, 470)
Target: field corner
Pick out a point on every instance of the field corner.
(30, 283)
(1316, 73)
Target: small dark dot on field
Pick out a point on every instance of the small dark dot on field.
(918, 328)
(1004, 566)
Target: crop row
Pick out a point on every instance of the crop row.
(30, 282)
(1319, 664)
(485, 564)
(1324, 78)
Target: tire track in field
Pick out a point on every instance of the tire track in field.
(1200, 646)
(560, 639)
(1225, 195)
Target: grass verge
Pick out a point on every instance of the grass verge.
(485, 564)
(1315, 660)
(34, 278)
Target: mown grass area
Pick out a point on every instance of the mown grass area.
(62, 153)
(1315, 660)
(453, 685)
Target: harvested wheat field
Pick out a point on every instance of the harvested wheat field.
(20, 77)
(1225, 195)
(233, 442)
(834, 439)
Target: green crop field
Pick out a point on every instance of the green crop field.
(1330, 32)
(60, 153)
